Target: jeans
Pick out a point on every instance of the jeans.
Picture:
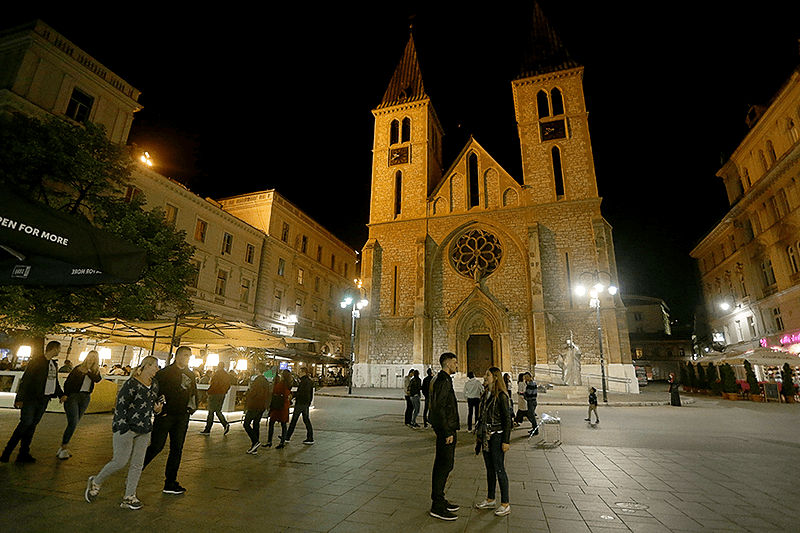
(215, 408)
(409, 410)
(301, 410)
(29, 416)
(496, 468)
(472, 406)
(130, 446)
(442, 466)
(74, 407)
(272, 429)
(425, 411)
(532, 414)
(175, 427)
(415, 411)
(252, 421)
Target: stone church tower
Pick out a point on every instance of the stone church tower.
(474, 261)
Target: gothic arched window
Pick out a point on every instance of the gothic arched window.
(557, 172)
(792, 127)
(406, 130)
(394, 132)
(558, 102)
(771, 153)
(542, 104)
(472, 175)
(398, 193)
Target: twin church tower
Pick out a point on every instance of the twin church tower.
(472, 260)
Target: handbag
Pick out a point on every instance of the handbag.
(277, 402)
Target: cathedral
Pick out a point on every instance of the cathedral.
(472, 260)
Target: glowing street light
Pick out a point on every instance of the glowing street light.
(146, 159)
(597, 288)
(357, 306)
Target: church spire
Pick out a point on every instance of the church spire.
(406, 84)
(544, 51)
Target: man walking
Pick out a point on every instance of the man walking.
(302, 404)
(255, 404)
(426, 389)
(176, 383)
(39, 383)
(472, 390)
(217, 389)
(445, 422)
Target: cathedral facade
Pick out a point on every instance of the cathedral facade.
(473, 261)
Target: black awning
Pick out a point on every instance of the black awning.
(40, 245)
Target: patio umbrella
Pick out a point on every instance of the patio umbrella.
(762, 356)
(40, 245)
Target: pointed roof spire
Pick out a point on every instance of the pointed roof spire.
(544, 51)
(406, 84)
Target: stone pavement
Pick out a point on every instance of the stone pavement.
(712, 466)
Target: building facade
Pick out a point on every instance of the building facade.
(471, 260)
(750, 262)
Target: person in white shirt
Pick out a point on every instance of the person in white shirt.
(473, 389)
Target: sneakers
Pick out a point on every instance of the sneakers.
(227, 429)
(204, 432)
(443, 514)
(25, 458)
(92, 490)
(450, 506)
(254, 449)
(307, 441)
(503, 510)
(588, 419)
(280, 446)
(63, 454)
(131, 502)
(173, 488)
(267, 445)
(486, 504)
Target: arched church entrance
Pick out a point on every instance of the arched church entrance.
(479, 354)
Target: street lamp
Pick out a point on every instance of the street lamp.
(357, 306)
(595, 281)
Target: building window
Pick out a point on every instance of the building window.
(195, 277)
(542, 104)
(558, 102)
(278, 296)
(792, 259)
(771, 153)
(200, 230)
(132, 193)
(222, 282)
(249, 253)
(792, 127)
(79, 106)
(751, 325)
(300, 274)
(281, 267)
(398, 194)
(394, 132)
(557, 173)
(319, 254)
(170, 213)
(285, 232)
(776, 315)
(244, 293)
(227, 243)
(317, 284)
(346, 269)
(298, 306)
(472, 175)
(768, 274)
(304, 244)
(333, 262)
(406, 136)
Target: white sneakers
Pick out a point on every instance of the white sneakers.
(502, 510)
(63, 454)
(486, 504)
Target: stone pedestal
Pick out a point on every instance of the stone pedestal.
(578, 392)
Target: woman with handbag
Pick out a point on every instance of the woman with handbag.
(493, 433)
(279, 407)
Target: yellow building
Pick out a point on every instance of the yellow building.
(750, 261)
(472, 260)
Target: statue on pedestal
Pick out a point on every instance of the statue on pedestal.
(570, 364)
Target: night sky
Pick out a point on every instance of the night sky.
(237, 101)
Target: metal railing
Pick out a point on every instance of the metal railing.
(587, 378)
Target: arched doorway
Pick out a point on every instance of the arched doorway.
(480, 350)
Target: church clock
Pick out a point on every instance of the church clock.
(555, 129)
(398, 156)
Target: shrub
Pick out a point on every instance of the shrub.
(787, 388)
(751, 378)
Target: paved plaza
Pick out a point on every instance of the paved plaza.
(710, 466)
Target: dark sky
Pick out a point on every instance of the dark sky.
(239, 100)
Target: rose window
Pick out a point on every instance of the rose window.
(476, 254)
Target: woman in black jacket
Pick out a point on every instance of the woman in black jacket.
(493, 432)
(78, 389)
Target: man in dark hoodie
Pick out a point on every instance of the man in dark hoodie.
(302, 404)
(176, 383)
(39, 383)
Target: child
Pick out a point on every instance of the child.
(593, 406)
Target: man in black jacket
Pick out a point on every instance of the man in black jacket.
(39, 383)
(302, 404)
(177, 384)
(445, 422)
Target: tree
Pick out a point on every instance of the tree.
(788, 387)
(752, 381)
(78, 170)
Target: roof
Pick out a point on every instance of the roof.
(406, 84)
(544, 51)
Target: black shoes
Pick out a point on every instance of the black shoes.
(173, 488)
(443, 514)
(450, 506)
(26, 458)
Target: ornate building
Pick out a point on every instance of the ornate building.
(475, 261)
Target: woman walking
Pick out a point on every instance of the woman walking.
(78, 389)
(493, 433)
(133, 422)
(674, 391)
(279, 411)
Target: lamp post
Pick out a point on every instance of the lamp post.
(357, 306)
(596, 288)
